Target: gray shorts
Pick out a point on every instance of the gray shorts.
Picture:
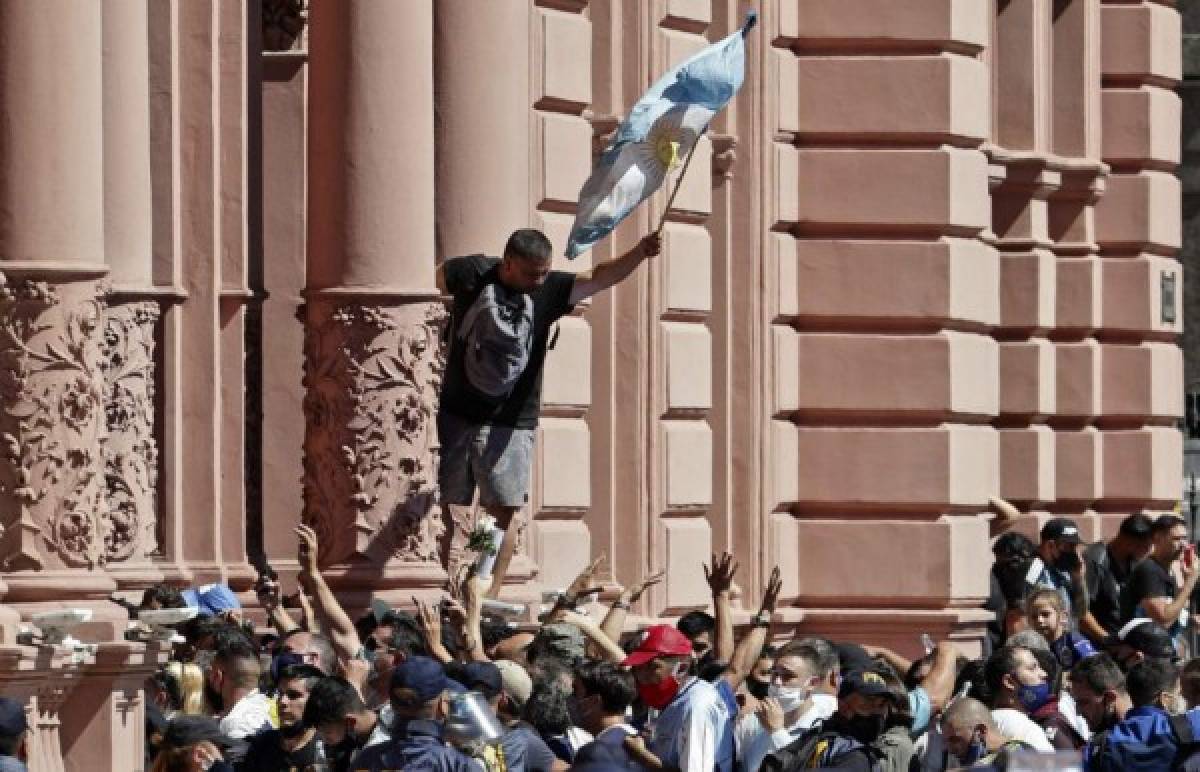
(494, 458)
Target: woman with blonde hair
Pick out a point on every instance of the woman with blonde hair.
(179, 690)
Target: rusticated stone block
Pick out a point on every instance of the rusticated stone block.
(787, 86)
(942, 374)
(1140, 212)
(1078, 464)
(783, 261)
(681, 45)
(785, 349)
(687, 540)
(785, 455)
(564, 547)
(1143, 465)
(564, 463)
(695, 10)
(1144, 381)
(1027, 468)
(1028, 292)
(873, 468)
(688, 463)
(1078, 289)
(1079, 382)
(949, 279)
(1133, 295)
(566, 72)
(567, 378)
(875, 189)
(943, 95)
(949, 551)
(1141, 41)
(1028, 378)
(566, 155)
(557, 227)
(689, 365)
(1141, 124)
(885, 21)
(687, 258)
(786, 197)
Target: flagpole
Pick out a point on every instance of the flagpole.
(678, 183)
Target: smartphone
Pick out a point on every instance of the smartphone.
(1189, 554)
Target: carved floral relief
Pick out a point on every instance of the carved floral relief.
(51, 426)
(370, 486)
(131, 449)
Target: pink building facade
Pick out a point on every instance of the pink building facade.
(927, 256)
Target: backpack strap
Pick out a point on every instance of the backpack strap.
(1099, 746)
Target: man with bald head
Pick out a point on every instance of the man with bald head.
(972, 737)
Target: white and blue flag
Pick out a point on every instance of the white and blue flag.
(661, 129)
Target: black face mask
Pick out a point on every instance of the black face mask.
(758, 689)
(865, 729)
(214, 698)
(1068, 561)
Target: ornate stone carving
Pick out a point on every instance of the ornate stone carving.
(131, 450)
(51, 426)
(370, 484)
(283, 23)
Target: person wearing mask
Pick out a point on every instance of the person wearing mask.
(193, 744)
(1152, 590)
(601, 693)
(694, 729)
(343, 721)
(1018, 686)
(231, 688)
(419, 704)
(1139, 639)
(14, 734)
(1108, 567)
(789, 709)
(524, 750)
(1155, 734)
(293, 745)
(1099, 690)
(1064, 732)
(971, 735)
(1059, 566)
(847, 739)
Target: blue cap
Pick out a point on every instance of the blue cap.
(483, 677)
(422, 675)
(12, 718)
(211, 599)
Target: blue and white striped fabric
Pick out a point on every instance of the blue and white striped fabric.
(660, 130)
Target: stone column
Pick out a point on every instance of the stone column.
(52, 386)
(373, 360)
(130, 324)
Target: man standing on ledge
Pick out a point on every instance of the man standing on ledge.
(491, 393)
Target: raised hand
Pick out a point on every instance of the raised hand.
(632, 594)
(306, 549)
(720, 574)
(774, 587)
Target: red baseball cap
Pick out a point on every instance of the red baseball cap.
(660, 641)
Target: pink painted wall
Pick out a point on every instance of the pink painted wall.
(918, 262)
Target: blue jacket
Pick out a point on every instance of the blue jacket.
(417, 747)
(1148, 726)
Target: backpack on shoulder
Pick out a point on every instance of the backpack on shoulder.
(817, 749)
(496, 334)
(1160, 757)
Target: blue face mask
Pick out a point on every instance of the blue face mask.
(976, 750)
(1033, 697)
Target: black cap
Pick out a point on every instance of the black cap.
(1167, 522)
(852, 656)
(186, 730)
(1061, 529)
(1137, 526)
(868, 683)
(12, 718)
(1148, 637)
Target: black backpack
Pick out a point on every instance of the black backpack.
(817, 749)
(1159, 757)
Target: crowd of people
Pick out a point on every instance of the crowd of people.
(1086, 659)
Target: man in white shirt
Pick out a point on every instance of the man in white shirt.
(1019, 686)
(694, 731)
(231, 684)
(601, 694)
(792, 705)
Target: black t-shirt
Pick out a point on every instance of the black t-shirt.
(1106, 580)
(1148, 579)
(267, 755)
(465, 279)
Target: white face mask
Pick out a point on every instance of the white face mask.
(789, 697)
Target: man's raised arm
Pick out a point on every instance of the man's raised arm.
(611, 272)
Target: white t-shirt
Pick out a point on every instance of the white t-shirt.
(694, 730)
(755, 743)
(249, 715)
(1015, 725)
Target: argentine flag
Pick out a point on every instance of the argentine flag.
(661, 129)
